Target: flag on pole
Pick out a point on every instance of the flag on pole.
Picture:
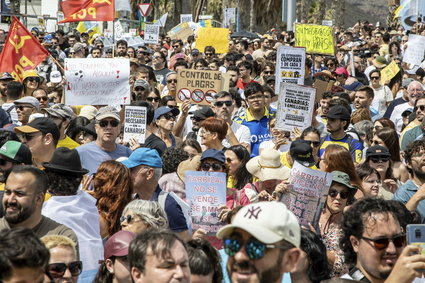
(90, 27)
(161, 21)
(21, 52)
(88, 10)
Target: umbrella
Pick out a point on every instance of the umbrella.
(244, 33)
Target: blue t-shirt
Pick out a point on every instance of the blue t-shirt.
(350, 143)
(405, 193)
(92, 156)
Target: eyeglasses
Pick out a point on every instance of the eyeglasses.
(379, 160)
(268, 72)
(113, 123)
(139, 88)
(382, 243)
(171, 81)
(129, 218)
(215, 166)
(374, 78)
(22, 107)
(173, 106)
(168, 116)
(34, 79)
(253, 248)
(57, 270)
(314, 143)
(150, 99)
(333, 193)
(221, 103)
(44, 98)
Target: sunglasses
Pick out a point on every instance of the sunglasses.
(421, 107)
(34, 79)
(333, 193)
(22, 107)
(173, 106)
(374, 78)
(113, 123)
(314, 143)
(168, 116)
(215, 166)
(150, 99)
(378, 159)
(176, 46)
(197, 119)
(221, 103)
(28, 137)
(268, 72)
(57, 270)
(253, 248)
(208, 54)
(44, 98)
(171, 81)
(129, 218)
(330, 65)
(3, 161)
(382, 243)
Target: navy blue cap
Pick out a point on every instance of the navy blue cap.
(352, 87)
(214, 154)
(164, 110)
(143, 156)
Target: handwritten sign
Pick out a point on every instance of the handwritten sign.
(315, 38)
(135, 123)
(415, 51)
(205, 193)
(389, 72)
(181, 31)
(151, 34)
(295, 107)
(290, 65)
(215, 37)
(307, 193)
(186, 18)
(97, 81)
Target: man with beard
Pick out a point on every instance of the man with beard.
(198, 116)
(121, 48)
(5, 78)
(417, 132)
(23, 199)
(262, 243)
(233, 73)
(338, 122)
(412, 193)
(324, 107)
(363, 99)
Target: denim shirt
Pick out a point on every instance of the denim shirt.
(405, 193)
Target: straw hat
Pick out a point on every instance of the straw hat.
(188, 165)
(267, 166)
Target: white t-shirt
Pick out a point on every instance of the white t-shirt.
(270, 144)
(13, 113)
(382, 96)
(242, 133)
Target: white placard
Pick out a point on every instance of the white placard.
(135, 123)
(151, 34)
(186, 18)
(290, 62)
(119, 30)
(97, 81)
(327, 23)
(229, 16)
(295, 107)
(414, 53)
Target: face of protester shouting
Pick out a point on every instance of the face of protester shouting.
(107, 130)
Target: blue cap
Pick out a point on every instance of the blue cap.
(214, 154)
(143, 156)
(164, 110)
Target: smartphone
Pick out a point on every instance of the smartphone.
(416, 235)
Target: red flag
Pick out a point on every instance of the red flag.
(88, 10)
(21, 52)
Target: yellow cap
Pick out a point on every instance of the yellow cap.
(30, 73)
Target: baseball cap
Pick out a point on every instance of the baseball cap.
(118, 244)
(30, 73)
(302, 152)
(339, 112)
(142, 83)
(78, 47)
(5, 76)
(164, 110)
(16, 151)
(352, 87)
(214, 154)
(143, 156)
(88, 111)
(55, 77)
(203, 113)
(195, 52)
(343, 179)
(377, 150)
(269, 222)
(107, 112)
(60, 111)
(341, 71)
(43, 124)
(28, 100)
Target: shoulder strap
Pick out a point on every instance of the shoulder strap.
(10, 109)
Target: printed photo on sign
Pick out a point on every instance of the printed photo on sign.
(135, 123)
(290, 65)
(151, 35)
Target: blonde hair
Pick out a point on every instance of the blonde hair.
(53, 241)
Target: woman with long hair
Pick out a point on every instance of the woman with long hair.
(236, 158)
(383, 123)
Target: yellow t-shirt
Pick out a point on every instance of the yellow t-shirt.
(68, 142)
(285, 162)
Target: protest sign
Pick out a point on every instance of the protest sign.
(321, 87)
(414, 53)
(389, 72)
(205, 193)
(199, 86)
(327, 23)
(186, 18)
(290, 65)
(181, 31)
(315, 38)
(307, 193)
(229, 17)
(215, 37)
(97, 81)
(135, 123)
(295, 107)
(151, 35)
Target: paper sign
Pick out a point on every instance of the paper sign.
(215, 37)
(327, 23)
(414, 53)
(151, 34)
(97, 81)
(199, 86)
(315, 38)
(307, 193)
(205, 193)
(290, 65)
(59, 17)
(389, 72)
(186, 18)
(119, 30)
(135, 123)
(181, 31)
(229, 16)
(295, 107)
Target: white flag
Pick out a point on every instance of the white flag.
(122, 5)
(161, 22)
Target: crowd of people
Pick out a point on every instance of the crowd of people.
(80, 205)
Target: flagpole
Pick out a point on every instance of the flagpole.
(113, 38)
(57, 63)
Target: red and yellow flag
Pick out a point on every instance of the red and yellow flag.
(21, 52)
(88, 10)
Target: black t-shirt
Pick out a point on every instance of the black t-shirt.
(154, 142)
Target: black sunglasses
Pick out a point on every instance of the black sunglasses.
(22, 107)
(313, 143)
(268, 72)
(221, 103)
(139, 88)
(374, 78)
(128, 218)
(379, 159)
(28, 137)
(333, 193)
(208, 54)
(421, 107)
(197, 119)
(3, 161)
(150, 99)
(168, 116)
(215, 166)
(173, 106)
(382, 243)
(253, 248)
(113, 123)
(171, 81)
(44, 98)
(57, 270)
(176, 46)
(34, 79)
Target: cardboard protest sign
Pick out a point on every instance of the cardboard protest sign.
(389, 72)
(290, 65)
(414, 53)
(215, 37)
(97, 81)
(315, 38)
(205, 193)
(135, 123)
(199, 86)
(307, 193)
(186, 18)
(181, 31)
(151, 35)
(295, 107)
(321, 87)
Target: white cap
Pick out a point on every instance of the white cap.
(55, 77)
(269, 222)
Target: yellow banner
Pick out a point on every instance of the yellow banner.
(315, 38)
(389, 72)
(215, 37)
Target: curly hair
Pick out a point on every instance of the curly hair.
(112, 189)
(63, 185)
(204, 259)
(171, 158)
(413, 148)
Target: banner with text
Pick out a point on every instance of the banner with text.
(135, 123)
(295, 107)
(307, 193)
(151, 35)
(415, 51)
(290, 65)
(315, 38)
(389, 72)
(97, 81)
(181, 31)
(205, 193)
